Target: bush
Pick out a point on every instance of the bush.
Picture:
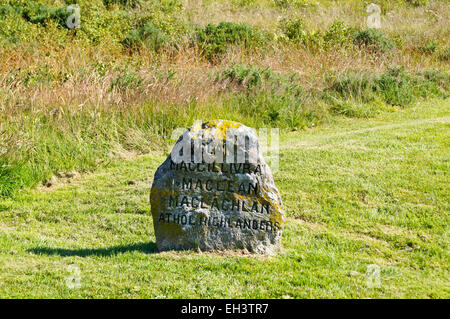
(244, 3)
(400, 88)
(293, 3)
(97, 23)
(293, 29)
(148, 35)
(40, 13)
(337, 34)
(214, 40)
(8, 9)
(123, 3)
(261, 79)
(394, 86)
(249, 77)
(273, 98)
(14, 29)
(428, 48)
(100, 25)
(36, 12)
(417, 3)
(129, 80)
(432, 83)
(373, 40)
(166, 15)
(444, 55)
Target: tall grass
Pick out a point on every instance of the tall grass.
(135, 70)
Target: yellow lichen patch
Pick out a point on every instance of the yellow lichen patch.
(188, 215)
(276, 211)
(157, 195)
(221, 127)
(279, 215)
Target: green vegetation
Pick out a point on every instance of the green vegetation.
(417, 3)
(445, 54)
(148, 35)
(214, 40)
(67, 139)
(338, 34)
(81, 101)
(294, 29)
(373, 40)
(357, 193)
(394, 87)
(429, 48)
(34, 12)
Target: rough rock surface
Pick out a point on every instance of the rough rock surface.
(212, 203)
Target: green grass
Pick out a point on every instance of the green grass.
(33, 147)
(357, 192)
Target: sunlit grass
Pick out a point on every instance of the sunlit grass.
(357, 193)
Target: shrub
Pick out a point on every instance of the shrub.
(129, 80)
(8, 9)
(352, 85)
(444, 55)
(293, 3)
(35, 12)
(428, 48)
(398, 40)
(261, 79)
(214, 40)
(337, 34)
(416, 3)
(99, 25)
(373, 40)
(123, 3)
(166, 15)
(148, 35)
(432, 83)
(250, 77)
(294, 29)
(244, 3)
(270, 97)
(394, 86)
(39, 13)
(14, 29)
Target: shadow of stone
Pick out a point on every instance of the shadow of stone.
(148, 248)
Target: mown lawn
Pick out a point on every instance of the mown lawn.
(359, 194)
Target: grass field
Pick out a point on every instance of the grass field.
(75, 99)
(357, 192)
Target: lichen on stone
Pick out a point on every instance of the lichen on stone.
(220, 219)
